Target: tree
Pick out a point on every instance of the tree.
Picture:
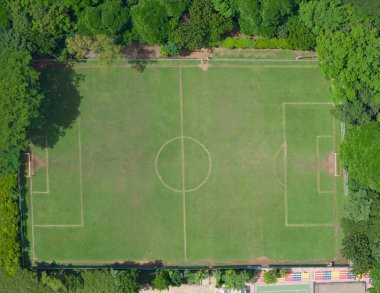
(150, 21)
(19, 98)
(176, 278)
(110, 18)
(98, 281)
(53, 282)
(351, 60)
(103, 46)
(204, 28)
(356, 248)
(375, 277)
(195, 277)
(126, 281)
(271, 276)
(224, 7)
(21, 281)
(161, 280)
(106, 50)
(235, 280)
(358, 206)
(79, 45)
(8, 183)
(300, 36)
(322, 16)
(175, 8)
(359, 151)
(41, 24)
(264, 17)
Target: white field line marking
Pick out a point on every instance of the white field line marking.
(308, 103)
(281, 148)
(80, 190)
(285, 165)
(183, 166)
(29, 165)
(337, 251)
(32, 217)
(290, 66)
(209, 164)
(58, 225)
(319, 167)
(336, 174)
(285, 161)
(80, 172)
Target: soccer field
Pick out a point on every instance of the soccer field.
(233, 165)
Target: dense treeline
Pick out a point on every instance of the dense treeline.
(76, 28)
(345, 34)
(118, 281)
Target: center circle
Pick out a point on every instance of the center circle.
(183, 164)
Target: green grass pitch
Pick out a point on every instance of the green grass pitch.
(233, 165)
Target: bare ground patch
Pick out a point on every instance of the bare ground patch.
(329, 164)
(37, 163)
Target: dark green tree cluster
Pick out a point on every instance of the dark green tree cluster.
(233, 279)
(101, 280)
(348, 46)
(59, 28)
(19, 103)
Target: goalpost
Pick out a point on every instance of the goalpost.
(29, 162)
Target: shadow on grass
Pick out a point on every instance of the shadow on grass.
(60, 106)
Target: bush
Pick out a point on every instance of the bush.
(170, 49)
(161, 280)
(235, 280)
(195, 277)
(270, 277)
(245, 43)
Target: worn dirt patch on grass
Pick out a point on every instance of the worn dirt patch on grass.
(329, 164)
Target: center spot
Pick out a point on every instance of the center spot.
(183, 164)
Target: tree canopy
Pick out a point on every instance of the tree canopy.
(360, 152)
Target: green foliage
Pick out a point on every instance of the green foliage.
(375, 277)
(351, 60)
(41, 25)
(175, 8)
(161, 280)
(300, 36)
(8, 184)
(171, 49)
(19, 98)
(4, 19)
(176, 278)
(224, 7)
(322, 16)
(356, 248)
(263, 18)
(195, 277)
(54, 283)
(126, 281)
(103, 46)
(358, 206)
(110, 18)
(150, 21)
(98, 281)
(271, 276)
(205, 27)
(21, 281)
(244, 43)
(359, 152)
(235, 280)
